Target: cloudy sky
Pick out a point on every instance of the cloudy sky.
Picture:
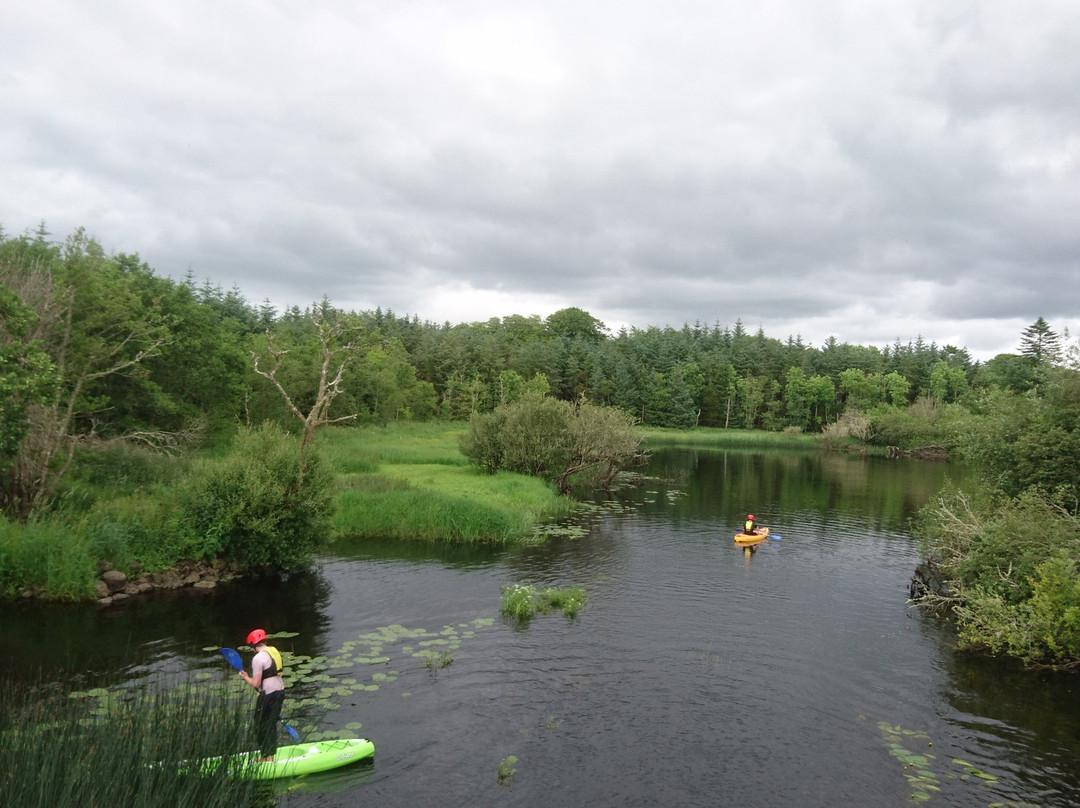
(864, 169)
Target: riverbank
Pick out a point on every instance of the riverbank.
(405, 481)
(711, 438)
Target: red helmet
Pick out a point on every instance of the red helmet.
(748, 516)
(256, 637)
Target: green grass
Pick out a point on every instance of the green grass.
(728, 438)
(122, 748)
(363, 449)
(412, 482)
(49, 557)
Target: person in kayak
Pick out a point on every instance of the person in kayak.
(751, 525)
(265, 677)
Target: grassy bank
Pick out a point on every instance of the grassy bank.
(729, 438)
(412, 482)
(142, 511)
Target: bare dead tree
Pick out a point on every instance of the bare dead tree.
(339, 342)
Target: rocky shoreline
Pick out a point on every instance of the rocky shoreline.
(115, 587)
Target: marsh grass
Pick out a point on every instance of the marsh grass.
(103, 748)
(49, 557)
(358, 449)
(522, 601)
(729, 438)
(412, 482)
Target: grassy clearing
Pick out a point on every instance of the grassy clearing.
(126, 748)
(729, 438)
(412, 482)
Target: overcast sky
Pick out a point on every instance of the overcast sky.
(864, 169)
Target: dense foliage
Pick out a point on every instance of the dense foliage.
(545, 437)
(97, 352)
(1009, 551)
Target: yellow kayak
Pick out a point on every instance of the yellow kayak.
(746, 539)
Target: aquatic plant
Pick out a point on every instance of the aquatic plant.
(507, 770)
(435, 661)
(919, 762)
(122, 747)
(522, 601)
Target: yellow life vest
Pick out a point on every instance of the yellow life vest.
(275, 657)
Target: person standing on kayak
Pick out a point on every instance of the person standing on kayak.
(751, 525)
(266, 678)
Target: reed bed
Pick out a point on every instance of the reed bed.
(729, 438)
(123, 748)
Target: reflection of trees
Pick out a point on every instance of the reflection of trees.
(160, 632)
(727, 484)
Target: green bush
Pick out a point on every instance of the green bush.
(266, 504)
(1043, 629)
(1010, 565)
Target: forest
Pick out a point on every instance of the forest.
(116, 351)
(97, 352)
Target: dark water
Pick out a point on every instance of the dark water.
(696, 675)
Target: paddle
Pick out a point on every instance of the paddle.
(234, 659)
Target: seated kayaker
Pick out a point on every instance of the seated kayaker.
(751, 526)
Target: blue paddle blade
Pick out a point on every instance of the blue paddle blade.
(774, 536)
(233, 658)
(292, 732)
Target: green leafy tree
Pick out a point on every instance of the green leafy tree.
(27, 374)
(947, 382)
(797, 397)
(575, 323)
(96, 325)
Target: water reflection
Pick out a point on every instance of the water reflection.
(698, 673)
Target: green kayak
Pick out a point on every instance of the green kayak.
(292, 761)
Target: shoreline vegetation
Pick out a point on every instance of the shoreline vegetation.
(111, 536)
(705, 437)
(101, 410)
(101, 746)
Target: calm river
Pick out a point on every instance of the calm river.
(697, 675)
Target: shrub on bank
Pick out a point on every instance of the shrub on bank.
(1010, 568)
(266, 504)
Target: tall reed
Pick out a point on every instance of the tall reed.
(729, 438)
(123, 748)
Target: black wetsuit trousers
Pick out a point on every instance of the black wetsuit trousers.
(267, 715)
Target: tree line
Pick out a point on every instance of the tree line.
(97, 347)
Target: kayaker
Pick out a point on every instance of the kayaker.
(266, 678)
(750, 526)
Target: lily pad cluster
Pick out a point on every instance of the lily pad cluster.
(324, 683)
(911, 748)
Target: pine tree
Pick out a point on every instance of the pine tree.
(1040, 343)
